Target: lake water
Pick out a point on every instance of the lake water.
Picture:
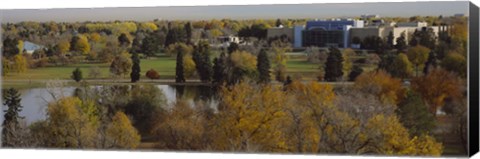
(35, 100)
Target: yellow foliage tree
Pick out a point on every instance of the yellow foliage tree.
(20, 63)
(82, 44)
(121, 134)
(244, 61)
(188, 66)
(382, 85)
(63, 46)
(72, 123)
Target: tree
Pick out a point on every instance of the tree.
(263, 67)
(152, 74)
(80, 43)
(121, 64)
(390, 39)
(414, 115)
(233, 47)
(94, 72)
(455, 62)
(386, 62)
(188, 65)
(77, 75)
(10, 48)
(356, 71)
(124, 40)
(402, 67)
(418, 55)
(121, 134)
(11, 99)
(379, 83)
(278, 23)
(401, 42)
(436, 86)
(6, 66)
(20, 63)
(279, 49)
(179, 73)
(243, 65)
(188, 31)
(63, 47)
(219, 69)
(135, 74)
(347, 62)
(431, 62)
(152, 43)
(72, 123)
(202, 61)
(333, 66)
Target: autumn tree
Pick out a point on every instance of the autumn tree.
(436, 86)
(279, 49)
(379, 83)
(418, 55)
(11, 99)
(334, 66)
(244, 65)
(347, 63)
(80, 43)
(121, 64)
(188, 65)
(121, 134)
(63, 47)
(263, 67)
(20, 64)
(135, 74)
(72, 123)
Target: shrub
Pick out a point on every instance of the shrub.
(152, 74)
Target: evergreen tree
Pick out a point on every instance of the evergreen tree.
(414, 42)
(386, 62)
(431, 62)
(219, 72)
(188, 32)
(77, 75)
(202, 61)
(278, 23)
(136, 46)
(333, 66)
(414, 114)
(123, 40)
(356, 71)
(10, 47)
(179, 74)
(263, 67)
(11, 99)
(390, 39)
(401, 42)
(233, 47)
(135, 74)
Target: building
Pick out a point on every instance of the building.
(224, 41)
(30, 47)
(326, 33)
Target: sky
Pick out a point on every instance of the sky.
(384, 9)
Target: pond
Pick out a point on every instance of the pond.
(35, 100)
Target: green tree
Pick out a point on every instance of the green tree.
(219, 69)
(333, 66)
(414, 114)
(202, 61)
(431, 63)
(135, 74)
(386, 62)
(188, 31)
(77, 75)
(10, 48)
(418, 55)
(402, 67)
(179, 70)
(401, 42)
(263, 67)
(390, 39)
(11, 99)
(356, 71)
(455, 62)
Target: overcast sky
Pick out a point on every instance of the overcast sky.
(403, 9)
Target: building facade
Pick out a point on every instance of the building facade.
(326, 33)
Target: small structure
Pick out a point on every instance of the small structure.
(30, 47)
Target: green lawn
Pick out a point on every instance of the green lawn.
(164, 65)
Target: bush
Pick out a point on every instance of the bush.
(77, 75)
(152, 74)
